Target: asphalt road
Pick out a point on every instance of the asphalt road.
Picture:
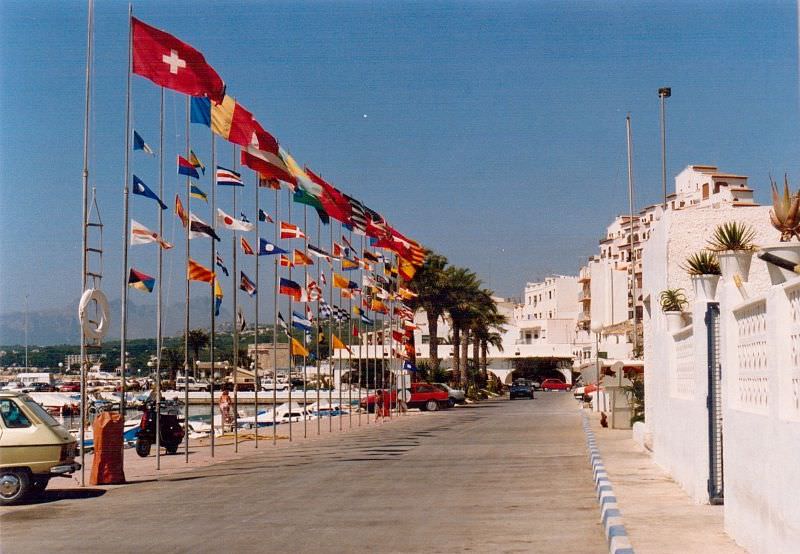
(498, 476)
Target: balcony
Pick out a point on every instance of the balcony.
(584, 296)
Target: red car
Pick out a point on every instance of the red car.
(71, 386)
(424, 396)
(555, 384)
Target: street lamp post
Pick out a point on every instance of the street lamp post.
(664, 92)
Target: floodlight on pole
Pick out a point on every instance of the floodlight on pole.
(664, 92)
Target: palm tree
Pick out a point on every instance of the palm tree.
(462, 288)
(430, 284)
(198, 339)
(173, 359)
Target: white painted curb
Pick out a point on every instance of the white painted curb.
(610, 514)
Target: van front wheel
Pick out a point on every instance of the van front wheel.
(14, 486)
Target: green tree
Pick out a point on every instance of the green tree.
(430, 284)
(462, 286)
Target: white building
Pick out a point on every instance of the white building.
(721, 408)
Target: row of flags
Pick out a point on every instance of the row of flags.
(173, 64)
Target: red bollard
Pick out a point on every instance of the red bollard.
(107, 465)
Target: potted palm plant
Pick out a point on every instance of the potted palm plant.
(703, 267)
(785, 217)
(673, 301)
(733, 244)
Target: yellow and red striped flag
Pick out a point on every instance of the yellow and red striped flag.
(246, 248)
(199, 273)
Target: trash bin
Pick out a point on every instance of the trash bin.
(107, 465)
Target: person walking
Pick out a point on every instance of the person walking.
(225, 409)
(379, 406)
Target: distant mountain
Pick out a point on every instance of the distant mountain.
(60, 325)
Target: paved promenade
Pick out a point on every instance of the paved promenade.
(497, 476)
(660, 518)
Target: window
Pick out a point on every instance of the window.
(426, 339)
(13, 418)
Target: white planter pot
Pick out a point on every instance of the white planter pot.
(705, 287)
(675, 321)
(787, 250)
(733, 262)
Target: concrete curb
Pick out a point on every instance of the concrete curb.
(610, 514)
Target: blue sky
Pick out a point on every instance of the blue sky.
(494, 132)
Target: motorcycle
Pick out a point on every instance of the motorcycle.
(170, 429)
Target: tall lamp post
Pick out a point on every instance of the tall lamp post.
(663, 93)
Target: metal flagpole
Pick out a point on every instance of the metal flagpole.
(341, 373)
(630, 222)
(305, 313)
(212, 344)
(85, 218)
(275, 332)
(255, 337)
(291, 334)
(235, 328)
(186, 330)
(361, 339)
(125, 195)
(317, 323)
(330, 344)
(350, 353)
(159, 327)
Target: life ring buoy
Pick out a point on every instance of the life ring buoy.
(89, 330)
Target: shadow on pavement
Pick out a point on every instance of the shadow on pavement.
(55, 495)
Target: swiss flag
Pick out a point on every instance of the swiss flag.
(173, 64)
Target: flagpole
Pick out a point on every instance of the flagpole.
(341, 372)
(275, 331)
(350, 355)
(212, 341)
(255, 337)
(125, 195)
(85, 218)
(317, 322)
(291, 335)
(159, 327)
(330, 344)
(187, 293)
(235, 328)
(305, 313)
(361, 340)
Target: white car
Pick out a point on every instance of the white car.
(192, 384)
(455, 396)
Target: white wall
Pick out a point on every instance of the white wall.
(762, 424)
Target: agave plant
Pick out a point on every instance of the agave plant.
(785, 212)
(732, 236)
(703, 262)
(673, 300)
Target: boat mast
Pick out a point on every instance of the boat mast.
(84, 221)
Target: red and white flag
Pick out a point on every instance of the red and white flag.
(230, 222)
(142, 235)
(289, 231)
(172, 63)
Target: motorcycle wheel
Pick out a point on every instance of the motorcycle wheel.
(172, 449)
(142, 447)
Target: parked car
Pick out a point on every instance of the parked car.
(17, 386)
(33, 448)
(192, 384)
(424, 396)
(555, 384)
(70, 386)
(42, 387)
(454, 396)
(520, 389)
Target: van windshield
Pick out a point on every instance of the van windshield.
(41, 413)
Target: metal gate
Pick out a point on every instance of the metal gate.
(714, 405)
